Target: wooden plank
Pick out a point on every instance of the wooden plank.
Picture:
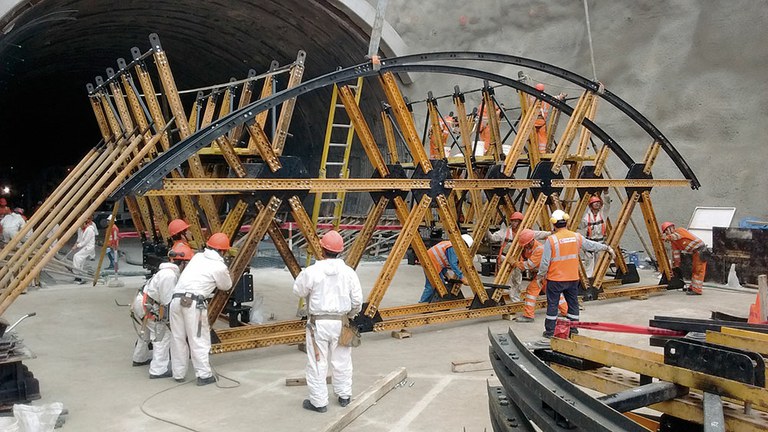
(367, 399)
(470, 366)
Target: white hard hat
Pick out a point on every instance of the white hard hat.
(468, 239)
(559, 215)
(109, 217)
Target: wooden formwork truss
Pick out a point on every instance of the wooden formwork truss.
(466, 193)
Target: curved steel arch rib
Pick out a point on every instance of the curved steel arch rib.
(152, 173)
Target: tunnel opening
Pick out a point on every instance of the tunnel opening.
(51, 50)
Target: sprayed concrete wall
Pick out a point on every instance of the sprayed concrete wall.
(696, 69)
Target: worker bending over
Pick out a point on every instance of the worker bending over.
(444, 257)
(12, 223)
(84, 248)
(530, 260)
(683, 241)
(505, 236)
(205, 273)
(560, 268)
(333, 295)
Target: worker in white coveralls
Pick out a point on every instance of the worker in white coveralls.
(11, 225)
(84, 248)
(333, 294)
(155, 298)
(205, 273)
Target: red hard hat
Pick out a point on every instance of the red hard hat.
(332, 241)
(218, 241)
(516, 216)
(526, 236)
(181, 252)
(595, 199)
(666, 225)
(176, 226)
(540, 87)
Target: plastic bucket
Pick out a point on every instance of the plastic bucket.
(9, 424)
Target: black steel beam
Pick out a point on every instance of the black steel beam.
(505, 415)
(643, 396)
(702, 325)
(545, 387)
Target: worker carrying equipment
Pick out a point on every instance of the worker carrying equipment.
(683, 241)
(444, 257)
(530, 260)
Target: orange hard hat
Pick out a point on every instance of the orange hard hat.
(176, 226)
(181, 252)
(332, 241)
(666, 225)
(526, 236)
(218, 241)
(540, 87)
(595, 199)
(516, 216)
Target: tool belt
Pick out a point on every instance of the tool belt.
(186, 299)
(319, 317)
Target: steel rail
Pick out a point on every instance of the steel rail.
(540, 383)
(150, 175)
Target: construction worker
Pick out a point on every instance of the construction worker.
(159, 291)
(530, 260)
(333, 294)
(436, 144)
(150, 311)
(4, 209)
(444, 257)
(683, 241)
(560, 268)
(84, 248)
(177, 228)
(540, 125)
(205, 273)
(485, 128)
(12, 224)
(595, 226)
(113, 241)
(505, 236)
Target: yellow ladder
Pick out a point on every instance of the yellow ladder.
(334, 162)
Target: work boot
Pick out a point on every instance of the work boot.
(144, 363)
(524, 319)
(548, 334)
(574, 331)
(179, 380)
(308, 406)
(166, 374)
(205, 381)
(343, 401)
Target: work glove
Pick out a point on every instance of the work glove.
(612, 252)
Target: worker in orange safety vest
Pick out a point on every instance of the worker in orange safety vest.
(560, 267)
(436, 145)
(530, 260)
(540, 124)
(444, 257)
(683, 241)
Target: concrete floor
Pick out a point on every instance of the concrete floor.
(83, 342)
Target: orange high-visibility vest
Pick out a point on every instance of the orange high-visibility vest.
(437, 254)
(532, 260)
(684, 241)
(564, 260)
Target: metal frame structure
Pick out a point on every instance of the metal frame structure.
(223, 161)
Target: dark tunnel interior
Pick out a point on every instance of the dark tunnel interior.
(51, 49)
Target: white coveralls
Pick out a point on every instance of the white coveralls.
(141, 351)
(204, 273)
(331, 288)
(12, 224)
(86, 246)
(160, 289)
